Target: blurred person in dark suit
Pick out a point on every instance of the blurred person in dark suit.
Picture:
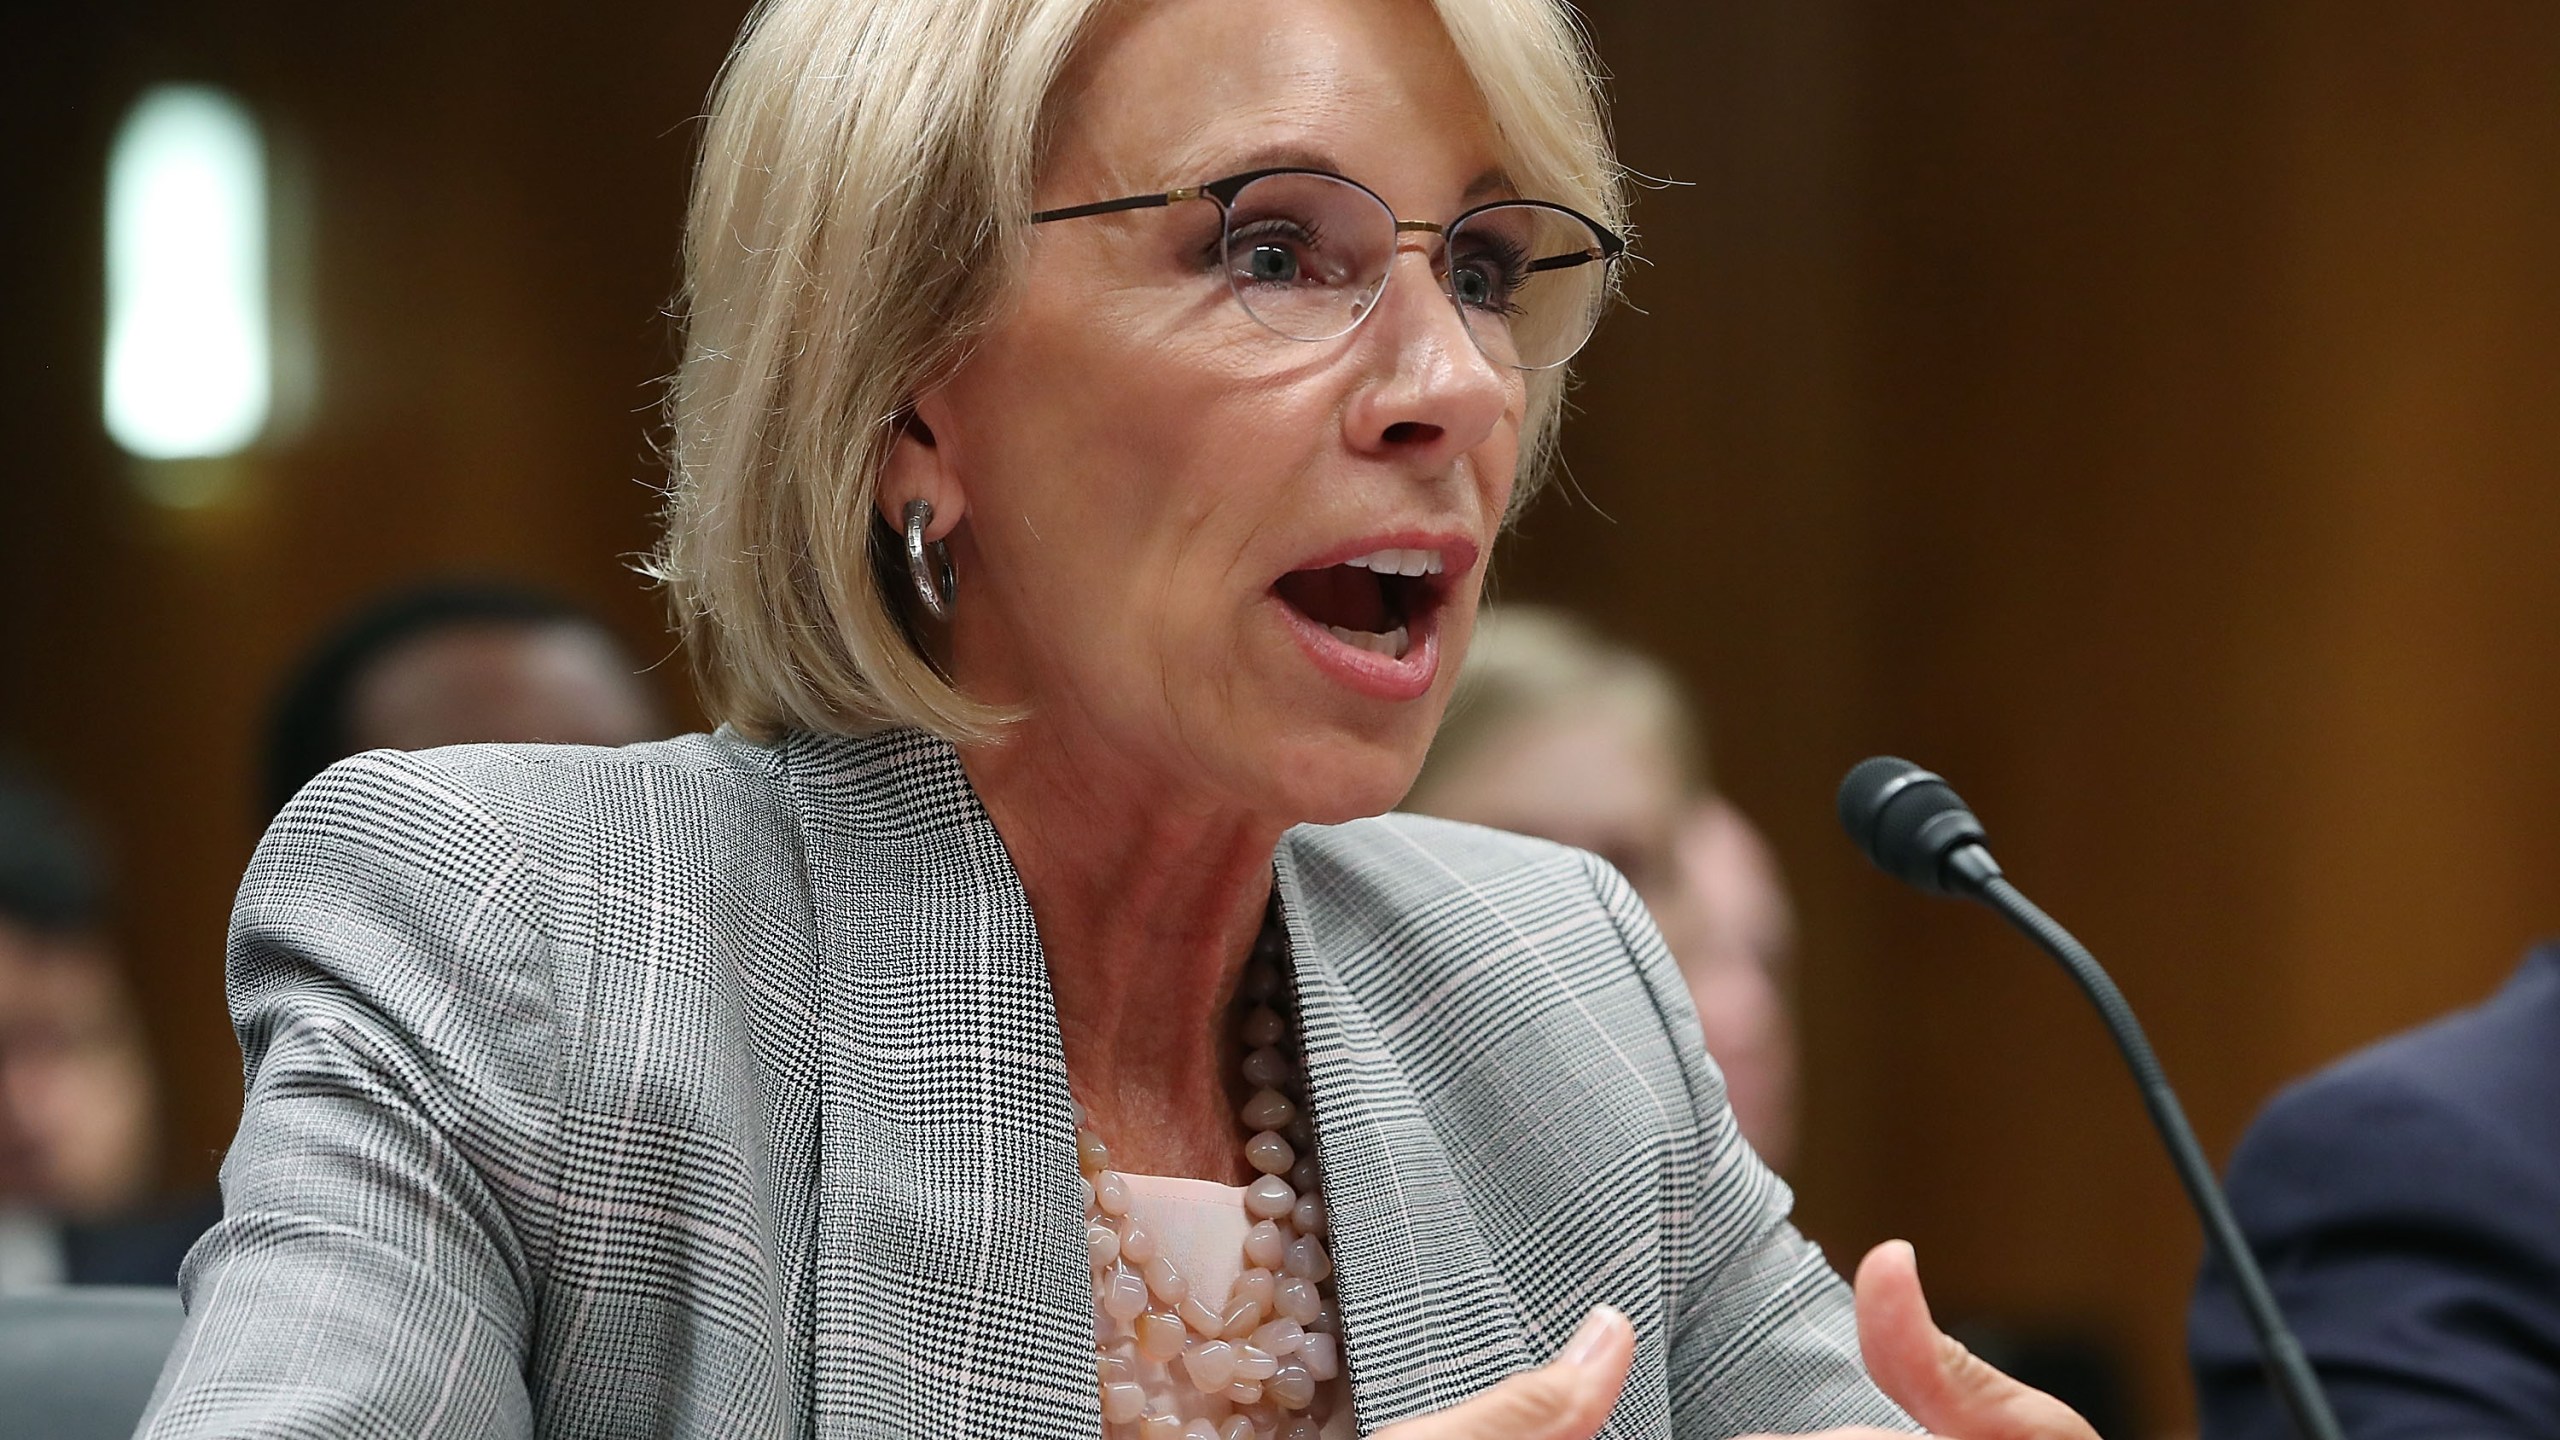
(2405, 1204)
(455, 663)
(1559, 732)
(79, 1114)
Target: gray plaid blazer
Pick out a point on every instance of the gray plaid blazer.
(712, 1088)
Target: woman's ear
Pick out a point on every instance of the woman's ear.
(919, 468)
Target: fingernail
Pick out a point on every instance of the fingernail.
(1585, 1345)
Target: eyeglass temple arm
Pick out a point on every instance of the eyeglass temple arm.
(1107, 207)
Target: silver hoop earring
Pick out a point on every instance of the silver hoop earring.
(929, 565)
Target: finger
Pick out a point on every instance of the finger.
(1855, 1432)
(1564, 1399)
(1926, 1371)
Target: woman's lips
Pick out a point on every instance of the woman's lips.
(1382, 641)
(1372, 665)
(1381, 677)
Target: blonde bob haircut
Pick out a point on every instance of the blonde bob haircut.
(859, 215)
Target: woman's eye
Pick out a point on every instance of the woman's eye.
(1269, 264)
(1484, 283)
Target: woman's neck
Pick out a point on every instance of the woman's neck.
(1147, 908)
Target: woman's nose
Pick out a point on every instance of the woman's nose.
(1429, 394)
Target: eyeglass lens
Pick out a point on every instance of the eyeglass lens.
(1308, 254)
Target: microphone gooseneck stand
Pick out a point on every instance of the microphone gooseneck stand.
(2286, 1364)
(1915, 828)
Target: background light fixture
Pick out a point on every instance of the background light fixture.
(189, 357)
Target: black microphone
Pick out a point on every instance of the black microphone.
(1916, 829)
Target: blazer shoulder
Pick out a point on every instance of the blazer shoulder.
(2489, 1068)
(2446, 1124)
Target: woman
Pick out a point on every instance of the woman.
(1037, 494)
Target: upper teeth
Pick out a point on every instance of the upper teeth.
(1399, 562)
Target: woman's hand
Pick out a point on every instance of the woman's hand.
(1927, 1372)
(1564, 1399)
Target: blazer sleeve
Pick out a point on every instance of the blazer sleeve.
(2414, 1253)
(373, 1273)
(1765, 1336)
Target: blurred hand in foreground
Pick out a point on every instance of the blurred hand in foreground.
(1564, 1399)
(1944, 1386)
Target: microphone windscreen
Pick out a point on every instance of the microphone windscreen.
(1905, 818)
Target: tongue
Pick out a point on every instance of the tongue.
(1343, 595)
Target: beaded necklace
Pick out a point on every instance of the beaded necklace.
(1266, 1359)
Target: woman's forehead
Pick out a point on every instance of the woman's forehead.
(1178, 91)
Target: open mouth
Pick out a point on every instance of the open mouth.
(1372, 602)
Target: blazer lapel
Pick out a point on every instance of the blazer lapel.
(1427, 1318)
(952, 1296)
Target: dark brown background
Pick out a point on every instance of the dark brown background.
(2143, 412)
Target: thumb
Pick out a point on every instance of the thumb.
(1947, 1388)
(1565, 1399)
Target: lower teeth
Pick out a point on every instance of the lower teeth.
(1391, 644)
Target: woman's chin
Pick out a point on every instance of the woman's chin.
(1343, 779)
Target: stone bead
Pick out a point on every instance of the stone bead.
(1267, 1110)
(1199, 1430)
(1084, 1187)
(1268, 1198)
(1261, 980)
(1291, 1386)
(1160, 1427)
(1301, 1132)
(1242, 1319)
(1269, 1154)
(1115, 1370)
(1268, 1068)
(1255, 1364)
(1166, 1283)
(1308, 1217)
(1322, 1355)
(1253, 1283)
(1244, 1392)
(1123, 1296)
(1196, 1313)
(1307, 1176)
(1211, 1364)
(1280, 1337)
(1263, 1027)
(1137, 1243)
(1123, 1402)
(1236, 1428)
(1300, 1428)
(1296, 1299)
(1328, 1319)
(1092, 1156)
(1265, 1247)
(1103, 1244)
(1307, 1259)
(1160, 1336)
(1111, 1195)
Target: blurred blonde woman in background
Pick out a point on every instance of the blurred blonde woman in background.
(1558, 731)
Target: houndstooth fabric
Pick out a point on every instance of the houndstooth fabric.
(714, 1089)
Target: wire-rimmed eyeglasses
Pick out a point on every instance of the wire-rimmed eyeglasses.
(1308, 252)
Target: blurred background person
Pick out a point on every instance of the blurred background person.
(1560, 732)
(2405, 1204)
(456, 663)
(79, 1111)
